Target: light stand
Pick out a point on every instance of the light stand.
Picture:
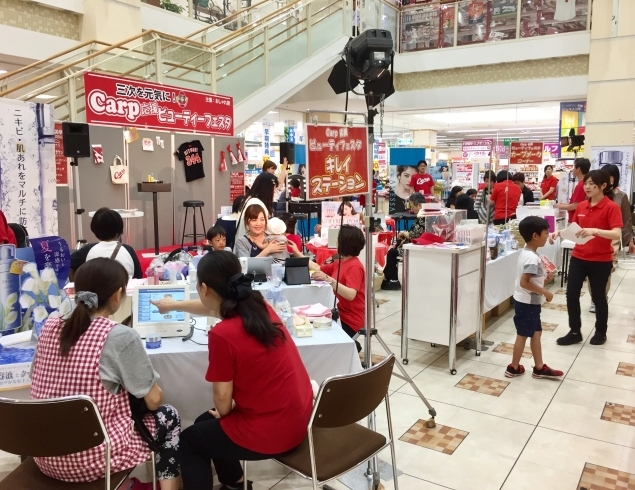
(78, 205)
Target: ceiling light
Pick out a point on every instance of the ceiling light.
(474, 131)
(2, 72)
(272, 112)
(45, 96)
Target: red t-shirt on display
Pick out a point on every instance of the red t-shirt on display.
(352, 275)
(422, 182)
(506, 196)
(578, 196)
(272, 389)
(547, 184)
(605, 215)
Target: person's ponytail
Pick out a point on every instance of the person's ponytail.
(74, 327)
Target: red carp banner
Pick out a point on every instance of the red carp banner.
(337, 159)
(115, 101)
(521, 153)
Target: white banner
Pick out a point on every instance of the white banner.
(28, 194)
(622, 156)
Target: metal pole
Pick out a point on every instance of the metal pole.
(78, 206)
(454, 291)
(404, 307)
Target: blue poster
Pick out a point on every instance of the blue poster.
(53, 252)
(10, 271)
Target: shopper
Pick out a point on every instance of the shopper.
(294, 184)
(252, 243)
(217, 238)
(107, 226)
(269, 166)
(601, 219)
(229, 222)
(482, 204)
(348, 278)
(505, 198)
(391, 276)
(261, 194)
(549, 184)
(402, 190)
(456, 191)
(422, 181)
(528, 296)
(581, 168)
(466, 201)
(88, 354)
(262, 392)
(527, 195)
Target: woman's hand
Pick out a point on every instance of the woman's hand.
(214, 413)
(165, 305)
(321, 276)
(586, 232)
(553, 236)
(274, 247)
(294, 249)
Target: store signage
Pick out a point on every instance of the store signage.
(572, 116)
(116, 101)
(337, 159)
(523, 153)
(508, 141)
(236, 185)
(61, 163)
(552, 149)
(404, 141)
(267, 129)
(477, 148)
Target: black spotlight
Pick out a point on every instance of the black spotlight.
(337, 78)
(574, 141)
(371, 54)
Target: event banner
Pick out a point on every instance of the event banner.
(524, 153)
(337, 159)
(236, 185)
(572, 116)
(61, 162)
(28, 194)
(118, 101)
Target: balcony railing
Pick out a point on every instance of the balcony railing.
(459, 23)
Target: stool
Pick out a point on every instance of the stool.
(302, 221)
(567, 246)
(193, 205)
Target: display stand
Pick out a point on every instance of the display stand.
(442, 317)
(155, 187)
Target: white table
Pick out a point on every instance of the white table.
(182, 366)
(500, 280)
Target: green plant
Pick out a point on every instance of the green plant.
(172, 7)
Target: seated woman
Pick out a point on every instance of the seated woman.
(456, 191)
(229, 223)
(391, 276)
(351, 291)
(466, 201)
(253, 243)
(107, 226)
(291, 235)
(262, 392)
(88, 354)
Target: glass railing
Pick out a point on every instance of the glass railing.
(449, 24)
(377, 14)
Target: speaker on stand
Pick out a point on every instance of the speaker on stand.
(76, 140)
(287, 150)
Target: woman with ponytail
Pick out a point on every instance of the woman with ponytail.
(262, 392)
(88, 354)
(600, 220)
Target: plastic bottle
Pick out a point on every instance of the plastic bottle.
(192, 276)
(9, 285)
(283, 307)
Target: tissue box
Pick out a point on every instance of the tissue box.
(304, 329)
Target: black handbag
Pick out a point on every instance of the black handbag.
(139, 409)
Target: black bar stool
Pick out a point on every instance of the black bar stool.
(302, 221)
(193, 205)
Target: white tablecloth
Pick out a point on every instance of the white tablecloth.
(182, 366)
(500, 280)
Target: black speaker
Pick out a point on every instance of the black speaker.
(76, 140)
(287, 150)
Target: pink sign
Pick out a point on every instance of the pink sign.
(477, 148)
(552, 148)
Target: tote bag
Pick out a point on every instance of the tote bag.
(119, 171)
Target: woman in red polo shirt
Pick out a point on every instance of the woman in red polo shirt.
(505, 198)
(549, 184)
(351, 292)
(262, 392)
(601, 219)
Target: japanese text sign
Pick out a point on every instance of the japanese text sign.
(118, 101)
(52, 252)
(523, 153)
(236, 185)
(61, 164)
(477, 148)
(337, 159)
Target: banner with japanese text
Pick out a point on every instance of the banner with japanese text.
(236, 185)
(524, 153)
(337, 159)
(116, 101)
(28, 194)
(61, 162)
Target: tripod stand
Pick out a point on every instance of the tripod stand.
(80, 242)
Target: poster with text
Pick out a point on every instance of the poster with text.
(337, 159)
(622, 156)
(116, 101)
(28, 193)
(236, 185)
(572, 116)
(400, 190)
(61, 162)
(525, 153)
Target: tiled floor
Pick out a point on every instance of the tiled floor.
(519, 434)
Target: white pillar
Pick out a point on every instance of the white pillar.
(111, 21)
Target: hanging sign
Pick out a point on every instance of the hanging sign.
(509, 141)
(337, 159)
(523, 153)
(52, 252)
(61, 163)
(552, 149)
(572, 116)
(116, 101)
(236, 185)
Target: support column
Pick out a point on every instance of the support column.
(428, 139)
(111, 21)
(610, 117)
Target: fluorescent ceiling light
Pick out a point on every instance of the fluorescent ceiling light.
(46, 96)
(2, 72)
(272, 112)
(474, 131)
(524, 129)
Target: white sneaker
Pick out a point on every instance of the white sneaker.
(592, 308)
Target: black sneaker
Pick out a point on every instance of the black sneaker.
(239, 486)
(597, 339)
(391, 285)
(571, 338)
(512, 372)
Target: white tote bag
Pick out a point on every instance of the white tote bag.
(119, 171)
